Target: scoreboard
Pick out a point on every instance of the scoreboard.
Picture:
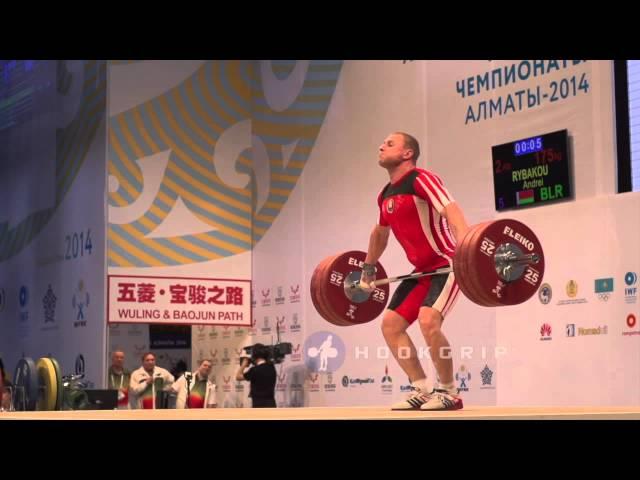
(531, 171)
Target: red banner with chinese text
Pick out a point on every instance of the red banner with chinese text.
(178, 300)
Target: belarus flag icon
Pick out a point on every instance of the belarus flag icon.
(525, 197)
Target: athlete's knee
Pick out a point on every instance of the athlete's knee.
(430, 322)
(393, 324)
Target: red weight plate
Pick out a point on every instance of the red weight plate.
(313, 286)
(464, 273)
(477, 282)
(339, 303)
(317, 280)
(458, 265)
(323, 281)
(482, 257)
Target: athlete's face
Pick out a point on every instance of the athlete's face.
(393, 152)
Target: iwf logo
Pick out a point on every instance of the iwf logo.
(630, 278)
(630, 291)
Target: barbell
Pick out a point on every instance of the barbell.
(497, 263)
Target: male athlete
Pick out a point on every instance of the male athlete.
(428, 224)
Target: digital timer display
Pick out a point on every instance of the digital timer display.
(530, 145)
(531, 171)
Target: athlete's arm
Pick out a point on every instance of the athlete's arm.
(377, 243)
(457, 223)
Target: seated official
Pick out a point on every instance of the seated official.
(195, 390)
(119, 378)
(148, 381)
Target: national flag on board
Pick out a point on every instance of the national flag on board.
(604, 285)
(525, 197)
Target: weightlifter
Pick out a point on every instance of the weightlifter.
(428, 224)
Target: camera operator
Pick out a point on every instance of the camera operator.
(261, 376)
